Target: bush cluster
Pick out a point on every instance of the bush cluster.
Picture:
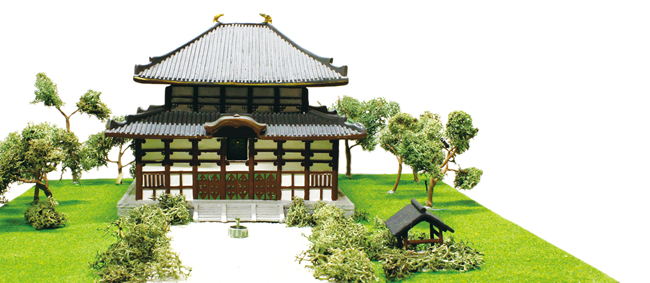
(451, 255)
(41, 215)
(142, 251)
(176, 208)
(341, 249)
(298, 215)
(337, 250)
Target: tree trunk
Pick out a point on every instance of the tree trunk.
(120, 174)
(399, 174)
(67, 123)
(415, 176)
(430, 192)
(348, 160)
(45, 189)
(36, 190)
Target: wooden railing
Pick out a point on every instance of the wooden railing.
(314, 180)
(155, 180)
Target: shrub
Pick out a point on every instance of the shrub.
(379, 239)
(337, 243)
(360, 215)
(41, 215)
(450, 255)
(349, 265)
(176, 208)
(142, 251)
(298, 215)
(323, 212)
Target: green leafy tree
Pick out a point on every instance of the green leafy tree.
(392, 139)
(29, 155)
(89, 103)
(98, 146)
(373, 114)
(434, 147)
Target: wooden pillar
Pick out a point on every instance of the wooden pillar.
(222, 163)
(138, 169)
(251, 165)
(280, 153)
(335, 169)
(195, 169)
(307, 165)
(167, 164)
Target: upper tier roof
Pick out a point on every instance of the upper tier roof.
(241, 54)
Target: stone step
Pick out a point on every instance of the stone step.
(246, 212)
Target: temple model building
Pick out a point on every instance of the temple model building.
(236, 123)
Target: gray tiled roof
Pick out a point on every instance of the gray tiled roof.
(411, 215)
(184, 124)
(241, 54)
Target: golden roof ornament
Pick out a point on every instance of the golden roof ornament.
(216, 18)
(267, 18)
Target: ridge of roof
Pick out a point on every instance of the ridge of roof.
(325, 61)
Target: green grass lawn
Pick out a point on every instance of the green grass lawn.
(59, 255)
(512, 254)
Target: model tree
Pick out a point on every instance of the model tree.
(97, 147)
(29, 155)
(89, 103)
(373, 114)
(434, 147)
(400, 126)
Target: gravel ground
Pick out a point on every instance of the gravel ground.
(267, 255)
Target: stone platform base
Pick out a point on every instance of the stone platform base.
(227, 210)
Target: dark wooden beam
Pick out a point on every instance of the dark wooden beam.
(168, 98)
(222, 99)
(307, 164)
(138, 169)
(195, 99)
(249, 106)
(305, 100)
(335, 169)
(276, 99)
(195, 169)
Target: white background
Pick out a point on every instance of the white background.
(558, 90)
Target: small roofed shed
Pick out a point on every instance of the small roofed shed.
(401, 222)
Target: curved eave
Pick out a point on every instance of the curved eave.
(175, 82)
(263, 137)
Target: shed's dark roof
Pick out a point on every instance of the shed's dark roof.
(156, 122)
(411, 215)
(241, 54)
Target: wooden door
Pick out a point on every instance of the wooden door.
(266, 186)
(237, 185)
(210, 186)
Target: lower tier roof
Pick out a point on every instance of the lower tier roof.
(156, 122)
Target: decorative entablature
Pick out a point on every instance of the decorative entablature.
(157, 123)
(241, 54)
(235, 125)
